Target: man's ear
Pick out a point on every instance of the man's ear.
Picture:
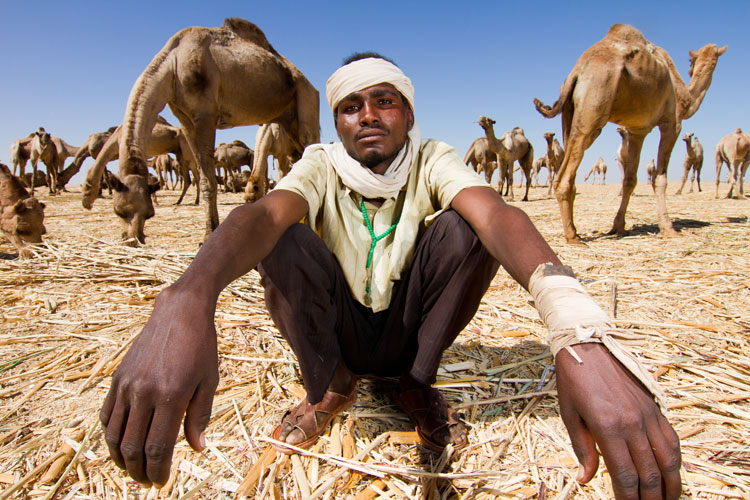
(409, 118)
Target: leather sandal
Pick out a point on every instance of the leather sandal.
(431, 416)
(313, 419)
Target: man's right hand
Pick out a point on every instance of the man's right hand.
(171, 370)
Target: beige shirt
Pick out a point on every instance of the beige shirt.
(335, 215)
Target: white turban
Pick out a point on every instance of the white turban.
(358, 75)
(355, 76)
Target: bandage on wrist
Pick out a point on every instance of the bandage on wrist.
(573, 317)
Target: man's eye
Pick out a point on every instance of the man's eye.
(352, 108)
(386, 101)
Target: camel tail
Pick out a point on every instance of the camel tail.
(566, 91)
(150, 93)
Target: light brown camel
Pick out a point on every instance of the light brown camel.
(651, 173)
(481, 159)
(21, 215)
(599, 169)
(164, 165)
(20, 153)
(237, 181)
(132, 197)
(693, 162)
(537, 166)
(212, 78)
(42, 148)
(555, 155)
(627, 80)
(734, 150)
(271, 139)
(232, 157)
(512, 146)
(90, 147)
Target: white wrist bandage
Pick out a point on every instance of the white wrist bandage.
(573, 317)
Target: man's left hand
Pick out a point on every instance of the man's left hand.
(602, 404)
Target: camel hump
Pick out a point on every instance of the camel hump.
(249, 31)
(625, 31)
(238, 142)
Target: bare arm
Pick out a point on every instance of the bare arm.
(171, 369)
(601, 403)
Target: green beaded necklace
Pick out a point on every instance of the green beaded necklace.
(375, 239)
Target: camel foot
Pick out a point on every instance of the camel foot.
(575, 240)
(668, 233)
(619, 232)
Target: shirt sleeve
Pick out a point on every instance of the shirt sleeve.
(446, 172)
(307, 178)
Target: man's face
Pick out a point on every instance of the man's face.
(373, 124)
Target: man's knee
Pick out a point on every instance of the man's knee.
(291, 245)
(454, 236)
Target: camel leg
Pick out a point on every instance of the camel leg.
(33, 177)
(686, 168)
(698, 177)
(629, 181)
(669, 134)
(719, 163)
(185, 186)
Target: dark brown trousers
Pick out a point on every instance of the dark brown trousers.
(311, 304)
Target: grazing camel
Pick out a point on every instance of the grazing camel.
(512, 146)
(212, 78)
(90, 147)
(734, 150)
(271, 139)
(555, 155)
(237, 181)
(21, 215)
(651, 174)
(627, 80)
(39, 181)
(132, 197)
(481, 159)
(232, 157)
(693, 162)
(599, 169)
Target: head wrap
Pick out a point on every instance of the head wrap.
(353, 77)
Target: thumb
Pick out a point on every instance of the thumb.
(197, 416)
(584, 446)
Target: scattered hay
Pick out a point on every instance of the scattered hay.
(69, 315)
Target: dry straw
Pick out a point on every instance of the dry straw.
(70, 313)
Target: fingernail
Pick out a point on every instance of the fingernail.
(202, 439)
(580, 476)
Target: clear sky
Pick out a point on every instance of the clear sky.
(69, 66)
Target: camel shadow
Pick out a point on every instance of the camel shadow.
(8, 256)
(646, 229)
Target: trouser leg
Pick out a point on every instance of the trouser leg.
(450, 272)
(309, 301)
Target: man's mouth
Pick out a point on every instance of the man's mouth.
(370, 134)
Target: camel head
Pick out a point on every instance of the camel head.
(133, 204)
(704, 59)
(548, 136)
(622, 131)
(44, 137)
(24, 221)
(486, 122)
(687, 137)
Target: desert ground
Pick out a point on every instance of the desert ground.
(70, 313)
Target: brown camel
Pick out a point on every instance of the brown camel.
(537, 166)
(20, 153)
(512, 146)
(651, 173)
(21, 215)
(42, 148)
(481, 159)
(734, 150)
(693, 162)
(237, 181)
(627, 80)
(212, 78)
(232, 157)
(555, 155)
(599, 169)
(132, 197)
(271, 139)
(164, 165)
(90, 147)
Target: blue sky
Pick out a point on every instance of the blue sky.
(69, 66)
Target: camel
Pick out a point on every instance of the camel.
(554, 157)
(237, 181)
(211, 78)
(627, 80)
(21, 215)
(512, 146)
(132, 199)
(734, 150)
(651, 173)
(20, 153)
(693, 162)
(42, 148)
(164, 165)
(231, 157)
(537, 166)
(599, 169)
(90, 147)
(481, 159)
(271, 139)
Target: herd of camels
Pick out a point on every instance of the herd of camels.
(217, 78)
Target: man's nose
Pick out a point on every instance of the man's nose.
(369, 114)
